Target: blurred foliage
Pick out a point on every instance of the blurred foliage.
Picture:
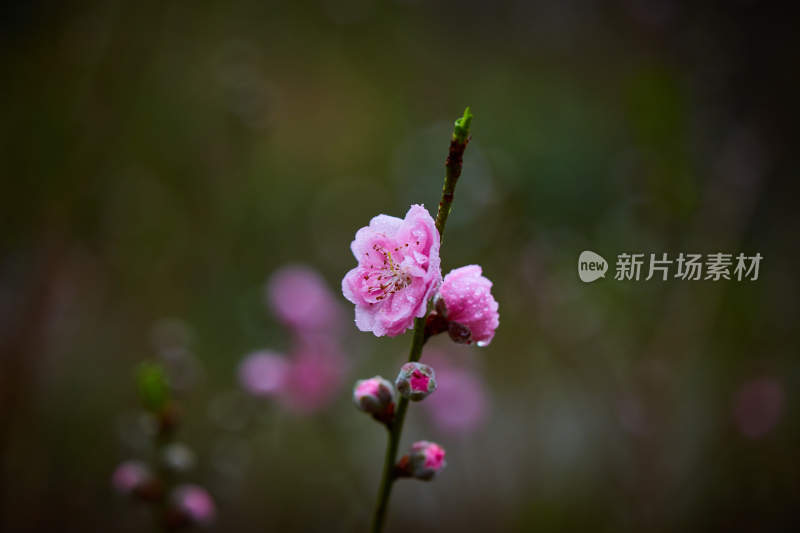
(151, 382)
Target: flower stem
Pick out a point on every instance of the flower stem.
(453, 165)
(395, 428)
(452, 172)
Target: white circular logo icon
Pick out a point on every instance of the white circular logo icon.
(591, 266)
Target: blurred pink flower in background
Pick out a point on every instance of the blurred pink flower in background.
(263, 373)
(311, 375)
(461, 403)
(129, 476)
(315, 375)
(758, 405)
(300, 299)
(195, 502)
(398, 271)
(469, 301)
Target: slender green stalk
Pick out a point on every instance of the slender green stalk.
(395, 429)
(453, 168)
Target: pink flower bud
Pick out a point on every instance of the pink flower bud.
(415, 381)
(471, 308)
(424, 461)
(376, 397)
(130, 476)
(193, 505)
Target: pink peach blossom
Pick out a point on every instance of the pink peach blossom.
(398, 271)
(468, 298)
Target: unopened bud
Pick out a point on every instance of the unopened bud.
(424, 461)
(375, 396)
(415, 381)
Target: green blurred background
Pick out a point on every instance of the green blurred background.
(161, 159)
